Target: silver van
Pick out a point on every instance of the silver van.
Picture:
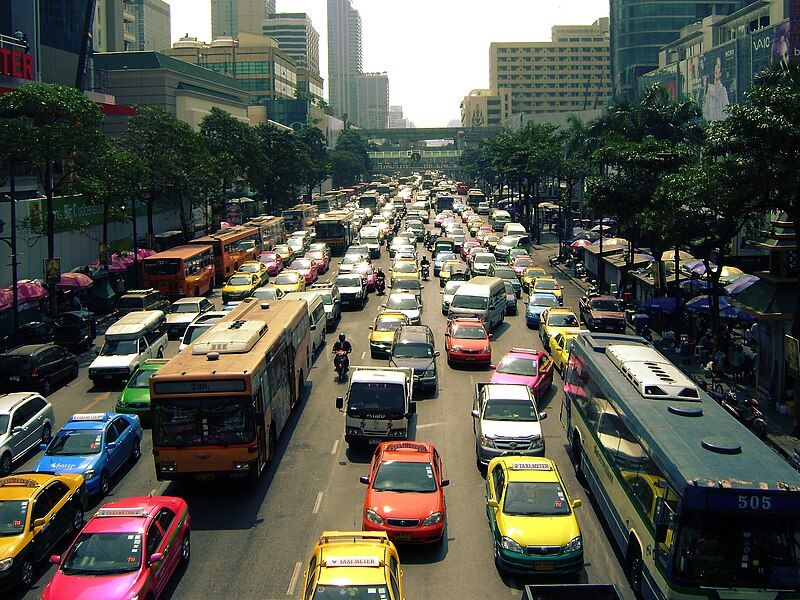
(481, 297)
(316, 312)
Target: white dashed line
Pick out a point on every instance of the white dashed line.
(363, 354)
(293, 580)
(335, 447)
(317, 504)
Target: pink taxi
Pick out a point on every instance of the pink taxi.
(525, 366)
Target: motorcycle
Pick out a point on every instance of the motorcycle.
(341, 363)
(426, 272)
(380, 285)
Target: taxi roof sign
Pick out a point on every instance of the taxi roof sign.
(353, 561)
(121, 512)
(23, 481)
(89, 417)
(532, 466)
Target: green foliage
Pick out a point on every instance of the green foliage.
(350, 141)
(319, 163)
(286, 158)
(347, 168)
(234, 143)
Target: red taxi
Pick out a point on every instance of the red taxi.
(307, 267)
(467, 245)
(129, 549)
(525, 366)
(321, 259)
(405, 492)
(466, 341)
(520, 263)
(273, 261)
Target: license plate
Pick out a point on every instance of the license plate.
(14, 378)
(374, 441)
(204, 477)
(543, 566)
(402, 537)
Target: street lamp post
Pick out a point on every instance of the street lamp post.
(135, 242)
(12, 243)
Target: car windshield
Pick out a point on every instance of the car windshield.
(193, 332)
(351, 592)
(140, 379)
(130, 302)
(562, 320)
(104, 554)
(287, 278)
(609, 305)
(406, 350)
(348, 282)
(402, 303)
(316, 255)
(529, 498)
(266, 294)
(295, 243)
(505, 273)
(469, 332)
(12, 516)
(407, 284)
(185, 307)
(249, 269)
(120, 348)
(75, 441)
(405, 267)
(327, 298)
(510, 410)
(546, 284)
(451, 287)
(362, 268)
(301, 264)
(543, 300)
(523, 261)
(397, 476)
(202, 421)
(515, 365)
(485, 258)
(282, 249)
(237, 280)
(389, 324)
(268, 257)
(473, 302)
(443, 256)
(509, 288)
(378, 398)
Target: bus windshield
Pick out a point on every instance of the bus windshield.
(329, 229)
(715, 550)
(202, 421)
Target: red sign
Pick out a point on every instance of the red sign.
(14, 63)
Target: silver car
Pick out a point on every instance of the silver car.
(182, 312)
(26, 420)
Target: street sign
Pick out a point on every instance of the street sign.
(52, 270)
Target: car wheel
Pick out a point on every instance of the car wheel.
(5, 464)
(136, 453)
(104, 483)
(186, 548)
(77, 517)
(46, 387)
(26, 572)
(633, 568)
(47, 433)
(160, 353)
(73, 372)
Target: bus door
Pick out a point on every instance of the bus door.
(261, 425)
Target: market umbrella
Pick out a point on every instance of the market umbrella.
(27, 291)
(740, 284)
(730, 274)
(580, 244)
(644, 256)
(601, 228)
(665, 304)
(701, 303)
(668, 255)
(74, 281)
(695, 285)
(732, 313)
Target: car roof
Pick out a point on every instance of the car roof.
(407, 451)
(525, 352)
(560, 310)
(189, 300)
(414, 333)
(9, 401)
(27, 350)
(521, 468)
(357, 548)
(22, 486)
(392, 315)
(130, 515)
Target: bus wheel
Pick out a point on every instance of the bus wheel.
(576, 452)
(633, 567)
(300, 385)
(273, 444)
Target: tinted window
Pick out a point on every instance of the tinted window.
(41, 506)
(165, 518)
(111, 434)
(22, 415)
(57, 490)
(36, 405)
(120, 425)
(154, 537)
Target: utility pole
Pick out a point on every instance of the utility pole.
(12, 243)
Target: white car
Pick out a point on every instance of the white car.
(199, 326)
(182, 312)
(26, 420)
(447, 294)
(408, 304)
(346, 266)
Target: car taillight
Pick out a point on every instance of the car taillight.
(35, 373)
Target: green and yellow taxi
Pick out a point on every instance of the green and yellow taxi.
(560, 345)
(531, 274)
(405, 269)
(240, 286)
(353, 564)
(531, 517)
(553, 321)
(549, 285)
(382, 332)
(37, 511)
(135, 398)
(255, 267)
(290, 281)
(448, 268)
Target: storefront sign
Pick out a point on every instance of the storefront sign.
(14, 63)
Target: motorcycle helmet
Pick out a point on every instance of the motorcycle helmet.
(342, 337)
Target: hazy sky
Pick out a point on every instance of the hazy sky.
(435, 51)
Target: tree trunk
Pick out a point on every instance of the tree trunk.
(104, 257)
(794, 214)
(151, 229)
(51, 232)
(713, 299)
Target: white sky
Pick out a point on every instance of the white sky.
(435, 51)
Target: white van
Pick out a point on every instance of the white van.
(481, 297)
(370, 237)
(128, 343)
(499, 219)
(516, 229)
(316, 312)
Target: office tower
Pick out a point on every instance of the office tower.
(297, 37)
(373, 100)
(151, 25)
(344, 57)
(229, 17)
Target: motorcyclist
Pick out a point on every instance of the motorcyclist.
(342, 345)
(380, 278)
(425, 266)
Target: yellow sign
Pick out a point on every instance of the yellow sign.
(792, 356)
(52, 270)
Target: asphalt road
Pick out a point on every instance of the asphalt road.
(252, 541)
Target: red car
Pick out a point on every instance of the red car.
(405, 492)
(367, 273)
(307, 267)
(129, 549)
(321, 259)
(273, 261)
(467, 245)
(466, 341)
(521, 262)
(526, 366)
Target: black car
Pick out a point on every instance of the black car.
(75, 329)
(135, 300)
(37, 367)
(413, 347)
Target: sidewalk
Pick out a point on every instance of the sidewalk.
(779, 426)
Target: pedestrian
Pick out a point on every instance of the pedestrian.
(736, 361)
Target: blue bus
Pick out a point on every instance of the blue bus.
(699, 506)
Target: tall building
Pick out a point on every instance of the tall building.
(373, 101)
(344, 57)
(640, 28)
(482, 108)
(151, 25)
(296, 36)
(114, 29)
(569, 73)
(397, 120)
(229, 17)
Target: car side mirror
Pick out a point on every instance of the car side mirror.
(492, 503)
(156, 558)
(55, 559)
(364, 479)
(42, 447)
(577, 503)
(490, 336)
(475, 414)
(493, 367)
(111, 445)
(339, 402)
(313, 328)
(445, 482)
(542, 416)
(97, 351)
(436, 353)
(39, 523)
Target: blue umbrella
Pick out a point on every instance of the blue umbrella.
(701, 304)
(696, 285)
(731, 313)
(664, 304)
(740, 284)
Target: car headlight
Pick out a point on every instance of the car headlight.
(88, 473)
(574, 545)
(430, 373)
(455, 348)
(487, 441)
(5, 565)
(373, 517)
(486, 349)
(433, 519)
(537, 444)
(511, 545)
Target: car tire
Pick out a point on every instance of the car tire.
(46, 387)
(73, 372)
(26, 572)
(77, 517)
(633, 567)
(5, 464)
(105, 483)
(186, 548)
(136, 452)
(160, 353)
(47, 433)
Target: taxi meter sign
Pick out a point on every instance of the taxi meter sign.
(352, 561)
(532, 466)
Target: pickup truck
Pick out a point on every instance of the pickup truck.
(506, 420)
(602, 313)
(378, 406)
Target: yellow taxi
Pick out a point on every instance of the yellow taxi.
(530, 275)
(382, 332)
(405, 269)
(240, 286)
(490, 241)
(549, 285)
(285, 252)
(448, 268)
(560, 345)
(353, 564)
(290, 281)
(33, 503)
(555, 320)
(255, 267)
(531, 517)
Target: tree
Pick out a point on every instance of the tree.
(347, 168)
(319, 162)
(476, 165)
(351, 141)
(286, 159)
(573, 168)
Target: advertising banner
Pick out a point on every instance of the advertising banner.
(793, 39)
(666, 77)
(718, 81)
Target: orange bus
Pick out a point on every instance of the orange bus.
(182, 271)
(232, 247)
(220, 405)
(270, 229)
(299, 218)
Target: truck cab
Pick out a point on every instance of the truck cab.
(378, 406)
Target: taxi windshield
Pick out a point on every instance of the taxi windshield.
(287, 279)
(405, 267)
(515, 365)
(240, 280)
(389, 324)
(562, 320)
(351, 592)
(527, 498)
(546, 284)
(140, 379)
(12, 516)
(104, 554)
(469, 332)
(70, 443)
(396, 476)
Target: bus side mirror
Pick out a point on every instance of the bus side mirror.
(339, 402)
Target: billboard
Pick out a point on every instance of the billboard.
(666, 77)
(718, 81)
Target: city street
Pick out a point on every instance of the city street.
(253, 541)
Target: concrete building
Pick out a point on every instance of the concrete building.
(640, 28)
(151, 24)
(114, 29)
(230, 17)
(397, 120)
(311, 83)
(345, 58)
(568, 73)
(297, 37)
(482, 108)
(255, 62)
(373, 101)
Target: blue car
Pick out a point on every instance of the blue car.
(95, 445)
(538, 303)
(439, 259)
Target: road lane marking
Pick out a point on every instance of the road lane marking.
(428, 425)
(335, 447)
(95, 402)
(363, 354)
(293, 580)
(317, 504)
